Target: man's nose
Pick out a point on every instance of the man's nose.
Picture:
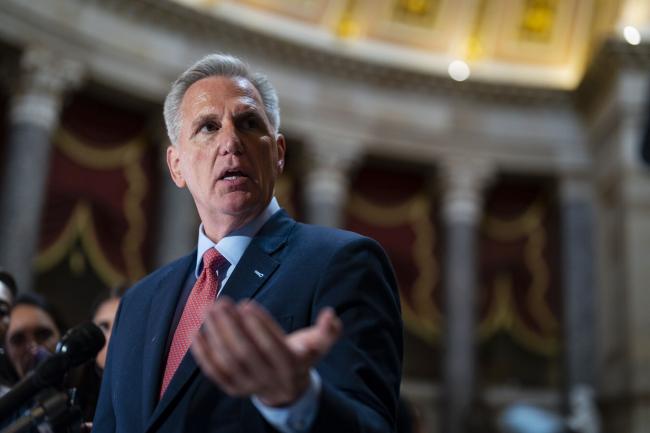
(230, 141)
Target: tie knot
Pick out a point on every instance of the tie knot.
(212, 259)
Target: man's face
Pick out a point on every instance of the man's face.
(6, 301)
(31, 334)
(227, 154)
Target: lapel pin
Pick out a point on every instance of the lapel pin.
(259, 274)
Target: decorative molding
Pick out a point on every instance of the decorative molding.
(45, 76)
(613, 56)
(331, 160)
(194, 25)
(464, 180)
(398, 112)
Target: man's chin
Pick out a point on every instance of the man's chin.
(244, 210)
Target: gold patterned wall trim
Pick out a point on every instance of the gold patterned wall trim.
(80, 228)
(512, 229)
(132, 244)
(97, 158)
(421, 315)
(127, 157)
(503, 315)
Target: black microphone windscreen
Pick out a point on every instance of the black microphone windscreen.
(81, 343)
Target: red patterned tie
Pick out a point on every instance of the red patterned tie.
(202, 296)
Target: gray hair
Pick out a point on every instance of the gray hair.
(217, 65)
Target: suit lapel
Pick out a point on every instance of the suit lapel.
(163, 305)
(252, 271)
(186, 370)
(258, 264)
(254, 268)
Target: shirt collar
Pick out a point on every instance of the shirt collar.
(233, 245)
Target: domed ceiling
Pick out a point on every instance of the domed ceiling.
(545, 43)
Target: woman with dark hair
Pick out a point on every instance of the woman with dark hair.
(34, 330)
(88, 378)
(8, 292)
(103, 316)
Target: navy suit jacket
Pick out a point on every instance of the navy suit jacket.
(303, 269)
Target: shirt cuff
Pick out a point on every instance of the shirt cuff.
(298, 417)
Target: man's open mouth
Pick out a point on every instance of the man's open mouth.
(233, 175)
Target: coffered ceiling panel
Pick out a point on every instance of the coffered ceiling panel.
(532, 42)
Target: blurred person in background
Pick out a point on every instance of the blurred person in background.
(104, 316)
(87, 378)
(583, 416)
(8, 290)
(34, 330)
(526, 418)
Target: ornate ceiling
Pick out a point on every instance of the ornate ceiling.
(545, 43)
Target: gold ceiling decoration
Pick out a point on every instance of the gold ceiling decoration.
(416, 12)
(348, 26)
(538, 19)
(544, 43)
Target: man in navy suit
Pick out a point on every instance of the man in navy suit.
(305, 334)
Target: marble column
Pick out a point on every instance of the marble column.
(622, 187)
(579, 291)
(331, 160)
(34, 114)
(463, 181)
(178, 220)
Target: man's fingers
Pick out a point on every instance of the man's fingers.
(204, 352)
(231, 351)
(314, 342)
(268, 337)
(243, 350)
(329, 324)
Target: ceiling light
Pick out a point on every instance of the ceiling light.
(458, 70)
(632, 35)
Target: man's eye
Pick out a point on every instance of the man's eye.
(248, 123)
(209, 127)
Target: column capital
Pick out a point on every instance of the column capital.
(331, 158)
(333, 151)
(45, 77)
(463, 180)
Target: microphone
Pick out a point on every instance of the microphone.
(77, 346)
(50, 408)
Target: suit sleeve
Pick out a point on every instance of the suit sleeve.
(361, 374)
(104, 421)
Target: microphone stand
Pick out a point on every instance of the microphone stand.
(53, 407)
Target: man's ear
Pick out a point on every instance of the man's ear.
(282, 147)
(174, 164)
